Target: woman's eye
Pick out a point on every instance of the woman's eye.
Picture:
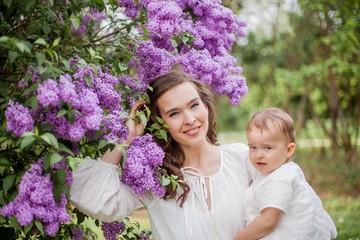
(195, 105)
(173, 114)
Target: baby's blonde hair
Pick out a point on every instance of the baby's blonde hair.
(270, 117)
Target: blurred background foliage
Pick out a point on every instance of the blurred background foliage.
(304, 56)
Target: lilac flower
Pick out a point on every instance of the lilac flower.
(140, 167)
(79, 31)
(34, 72)
(35, 201)
(77, 234)
(48, 93)
(67, 90)
(131, 10)
(18, 119)
(114, 126)
(153, 62)
(144, 235)
(112, 230)
(200, 65)
(163, 18)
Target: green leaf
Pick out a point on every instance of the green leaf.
(57, 193)
(27, 134)
(75, 22)
(39, 226)
(55, 157)
(40, 57)
(12, 56)
(27, 142)
(40, 41)
(70, 116)
(80, 217)
(64, 148)
(163, 134)
(5, 162)
(59, 176)
(50, 139)
(56, 42)
(50, 159)
(88, 80)
(160, 120)
(46, 28)
(62, 112)
(23, 46)
(15, 224)
(143, 118)
(66, 64)
(165, 181)
(101, 144)
(92, 52)
(28, 227)
(8, 182)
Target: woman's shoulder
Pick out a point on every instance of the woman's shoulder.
(236, 151)
(235, 148)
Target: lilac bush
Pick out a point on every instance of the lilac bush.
(36, 201)
(71, 73)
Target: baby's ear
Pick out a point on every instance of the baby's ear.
(291, 150)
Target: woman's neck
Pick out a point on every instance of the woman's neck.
(205, 158)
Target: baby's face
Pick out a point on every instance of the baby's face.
(268, 149)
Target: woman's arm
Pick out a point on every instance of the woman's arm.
(96, 188)
(262, 225)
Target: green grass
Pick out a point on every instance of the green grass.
(345, 211)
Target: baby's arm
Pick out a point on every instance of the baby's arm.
(262, 225)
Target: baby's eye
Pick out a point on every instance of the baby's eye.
(252, 147)
(267, 148)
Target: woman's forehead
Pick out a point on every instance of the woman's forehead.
(181, 94)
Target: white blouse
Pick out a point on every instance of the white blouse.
(97, 191)
(286, 189)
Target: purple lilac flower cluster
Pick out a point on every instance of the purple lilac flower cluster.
(144, 235)
(153, 61)
(140, 168)
(214, 27)
(19, 119)
(86, 100)
(77, 234)
(35, 201)
(112, 230)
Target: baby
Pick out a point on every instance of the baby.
(280, 203)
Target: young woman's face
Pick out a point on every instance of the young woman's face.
(182, 109)
(268, 149)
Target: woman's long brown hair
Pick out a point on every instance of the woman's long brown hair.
(174, 155)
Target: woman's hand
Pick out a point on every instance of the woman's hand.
(135, 129)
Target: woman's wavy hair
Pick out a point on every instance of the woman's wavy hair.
(174, 155)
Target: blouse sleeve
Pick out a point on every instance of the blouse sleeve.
(98, 192)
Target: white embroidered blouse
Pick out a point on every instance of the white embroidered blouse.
(98, 192)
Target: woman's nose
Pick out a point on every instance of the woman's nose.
(189, 118)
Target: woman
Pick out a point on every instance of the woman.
(208, 204)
